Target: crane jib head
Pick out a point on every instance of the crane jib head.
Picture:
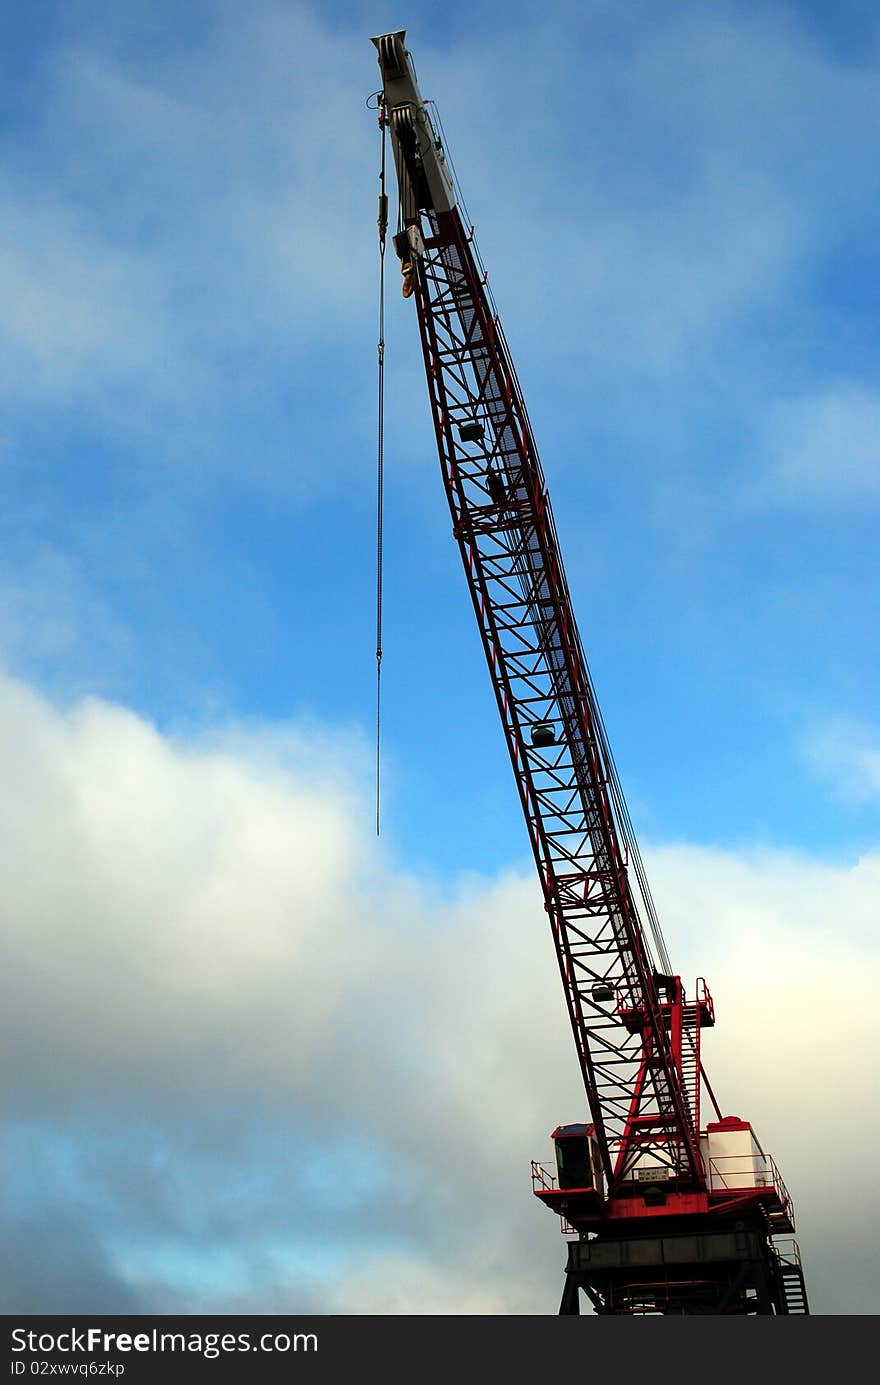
(423, 175)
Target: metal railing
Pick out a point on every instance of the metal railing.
(745, 1171)
(542, 1179)
(788, 1253)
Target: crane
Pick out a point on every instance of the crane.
(666, 1215)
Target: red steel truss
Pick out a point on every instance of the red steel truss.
(637, 1039)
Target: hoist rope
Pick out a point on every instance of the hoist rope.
(382, 222)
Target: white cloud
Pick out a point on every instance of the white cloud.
(204, 214)
(847, 754)
(77, 303)
(824, 447)
(199, 929)
(187, 229)
(53, 617)
(670, 175)
(789, 947)
(264, 1049)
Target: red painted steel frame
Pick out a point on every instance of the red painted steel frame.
(628, 1035)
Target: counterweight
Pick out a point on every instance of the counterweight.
(636, 1034)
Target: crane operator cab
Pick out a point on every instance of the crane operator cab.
(578, 1162)
(577, 1192)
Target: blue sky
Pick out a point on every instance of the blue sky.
(678, 208)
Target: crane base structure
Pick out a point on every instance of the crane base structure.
(672, 1215)
(734, 1269)
(657, 1246)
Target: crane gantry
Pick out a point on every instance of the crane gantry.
(667, 1215)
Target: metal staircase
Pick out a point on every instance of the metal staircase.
(690, 1060)
(793, 1290)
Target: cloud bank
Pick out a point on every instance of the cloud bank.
(256, 1065)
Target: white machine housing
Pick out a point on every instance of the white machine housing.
(733, 1156)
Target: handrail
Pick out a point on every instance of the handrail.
(542, 1180)
(738, 1166)
(788, 1252)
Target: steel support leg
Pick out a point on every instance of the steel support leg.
(571, 1303)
